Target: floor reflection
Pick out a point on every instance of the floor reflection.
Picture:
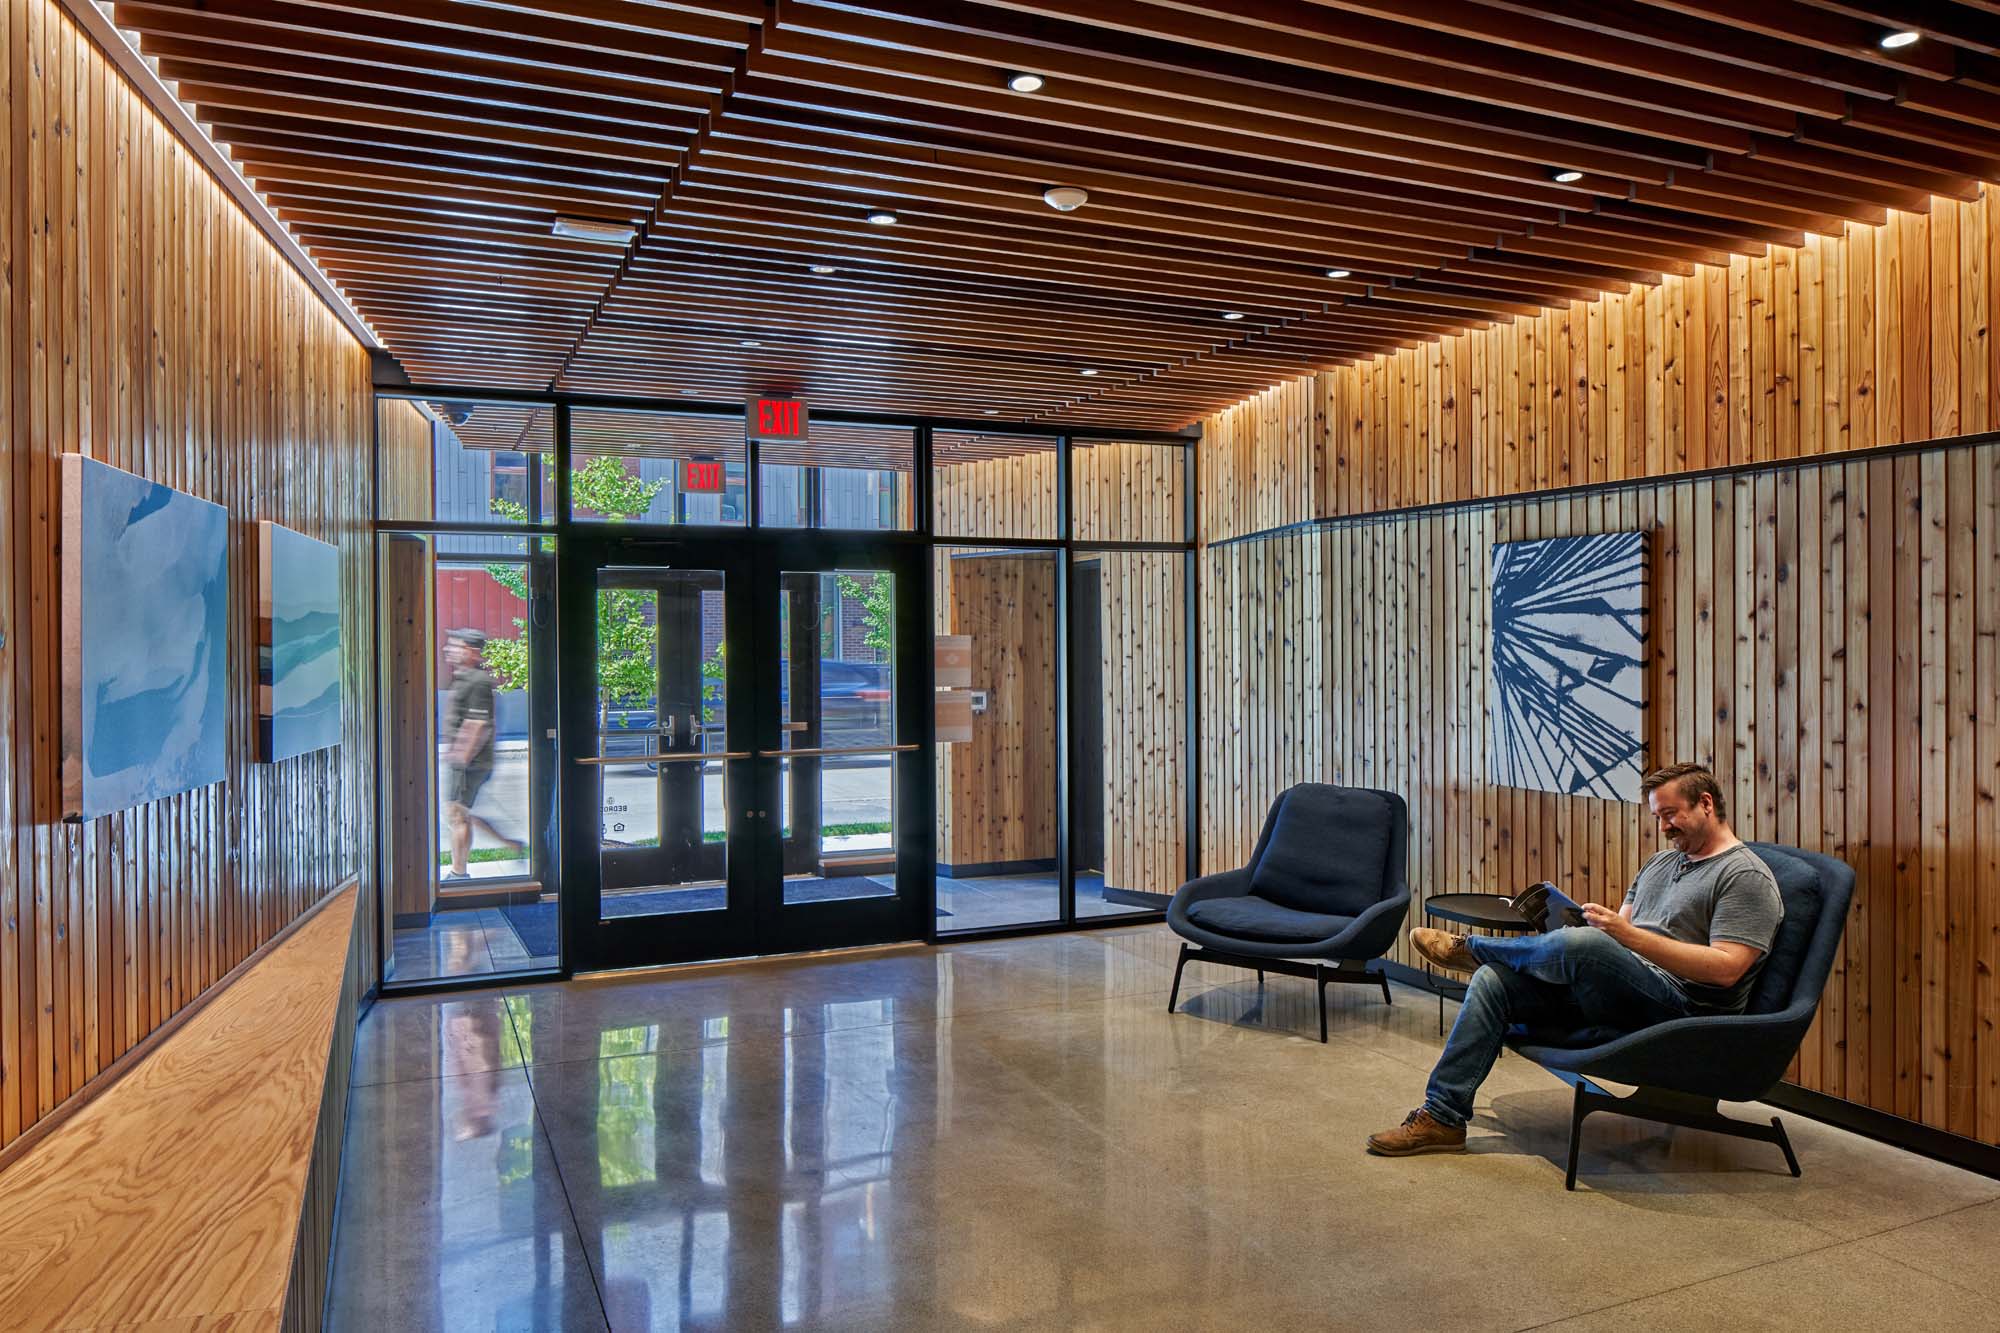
(1008, 1135)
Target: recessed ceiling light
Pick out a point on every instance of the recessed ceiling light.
(1087, 371)
(1338, 273)
(824, 268)
(1899, 38)
(992, 411)
(1564, 175)
(1232, 314)
(882, 217)
(593, 229)
(750, 342)
(1024, 82)
(1066, 198)
(687, 390)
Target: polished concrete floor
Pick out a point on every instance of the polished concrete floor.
(1016, 1135)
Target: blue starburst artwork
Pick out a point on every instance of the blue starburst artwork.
(1569, 665)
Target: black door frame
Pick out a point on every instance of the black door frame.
(756, 919)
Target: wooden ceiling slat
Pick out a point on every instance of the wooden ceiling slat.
(1234, 151)
(1393, 46)
(1093, 83)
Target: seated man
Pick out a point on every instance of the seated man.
(1690, 938)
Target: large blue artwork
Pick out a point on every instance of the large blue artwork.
(145, 639)
(1569, 665)
(298, 648)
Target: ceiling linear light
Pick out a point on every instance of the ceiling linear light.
(1232, 314)
(1088, 370)
(1898, 38)
(1339, 273)
(122, 47)
(1565, 175)
(1023, 82)
(824, 268)
(1065, 198)
(749, 342)
(882, 217)
(593, 229)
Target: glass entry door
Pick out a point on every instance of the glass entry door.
(743, 767)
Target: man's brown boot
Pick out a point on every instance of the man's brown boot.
(1418, 1133)
(1443, 949)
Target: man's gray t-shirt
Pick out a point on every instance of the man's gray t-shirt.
(1730, 896)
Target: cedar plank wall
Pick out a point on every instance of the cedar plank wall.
(1824, 633)
(147, 321)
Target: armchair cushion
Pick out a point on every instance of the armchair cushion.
(1326, 851)
(1798, 885)
(1255, 918)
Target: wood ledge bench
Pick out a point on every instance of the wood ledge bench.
(194, 1192)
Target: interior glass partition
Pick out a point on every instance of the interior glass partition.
(1128, 730)
(993, 485)
(657, 468)
(466, 768)
(849, 477)
(998, 739)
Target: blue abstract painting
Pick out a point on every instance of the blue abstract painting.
(298, 643)
(145, 639)
(1569, 665)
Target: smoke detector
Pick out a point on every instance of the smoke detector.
(1066, 198)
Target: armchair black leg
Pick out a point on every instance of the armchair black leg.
(1319, 977)
(1260, 977)
(1579, 1108)
(1386, 999)
(1173, 996)
(1785, 1144)
(1667, 1108)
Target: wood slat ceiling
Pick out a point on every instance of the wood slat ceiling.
(1234, 152)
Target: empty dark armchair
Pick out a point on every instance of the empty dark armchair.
(1324, 884)
(1682, 1068)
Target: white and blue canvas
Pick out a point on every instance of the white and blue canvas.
(145, 639)
(1569, 665)
(298, 651)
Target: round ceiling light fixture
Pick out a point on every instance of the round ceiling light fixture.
(1899, 38)
(1339, 273)
(1023, 82)
(1565, 175)
(1232, 314)
(1065, 198)
(882, 217)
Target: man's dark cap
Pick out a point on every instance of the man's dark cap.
(471, 638)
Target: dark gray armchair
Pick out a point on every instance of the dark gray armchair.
(1683, 1068)
(1324, 884)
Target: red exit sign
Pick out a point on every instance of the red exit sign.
(775, 419)
(701, 476)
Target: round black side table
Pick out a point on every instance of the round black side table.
(1487, 911)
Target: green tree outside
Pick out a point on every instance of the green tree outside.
(626, 670)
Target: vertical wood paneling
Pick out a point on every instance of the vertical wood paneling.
(147, 323)
(1352, 635)
(1876, 336)
(1826, 635)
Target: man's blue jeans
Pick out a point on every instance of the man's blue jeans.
(1568, 979)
